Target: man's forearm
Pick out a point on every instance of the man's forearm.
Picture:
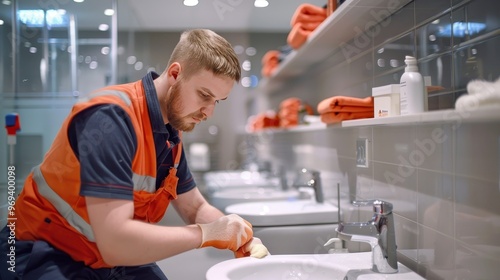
(136, 243)
(207, 213)
(123, 241)
(194, 208)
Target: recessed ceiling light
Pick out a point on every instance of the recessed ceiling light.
(78, 1)
(190, 3)
(261, 3)
(251, 51)
(246, 65)
(105, 50)
(1, 22)
(103, 27)
(109, 12)
(131, 60)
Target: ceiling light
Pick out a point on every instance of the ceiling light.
(461, 29)
(261, 3)
(37, 18)
(105, 50)
(190, 3)
(103, 27)
(131, 60)
(6, 2)
(138, 65)
(251, 51)
(93, 65)
(78, 1)
(245, 82)
(239, 49)
(246, 65)
(109, 12)
(1, 22)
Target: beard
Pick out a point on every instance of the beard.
(174, 106)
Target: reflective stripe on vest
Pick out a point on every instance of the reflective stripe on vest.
(123, 96)
(146, 183)
(75, 220)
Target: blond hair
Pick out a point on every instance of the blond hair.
(204, 49)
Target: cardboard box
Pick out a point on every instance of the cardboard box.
(386, 101)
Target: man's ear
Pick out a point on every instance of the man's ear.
(173, 72)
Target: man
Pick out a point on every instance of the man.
(88, 210)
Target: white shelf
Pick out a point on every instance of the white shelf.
(350, 19)
(482, 114)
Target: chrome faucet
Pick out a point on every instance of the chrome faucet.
(310, 179)
(378, 232)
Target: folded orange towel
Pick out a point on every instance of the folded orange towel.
(270, 56)
(349, 109)
(308, 13)
(330, 118)
(270, 62)
(285, 123)
(333, 103)
(297, 37)
(262, 121)
(306, 18)
(268, 70)
(290, 111)
(293, 102)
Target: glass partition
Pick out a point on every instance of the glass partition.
(51, 52)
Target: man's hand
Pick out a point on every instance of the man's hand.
(227, 232)
(253, 248)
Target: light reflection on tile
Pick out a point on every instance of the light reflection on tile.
(397, 188)
(436, 254)
(477, 211)
(435, 201)
(435, 143)
(477, 262)
(470, 152)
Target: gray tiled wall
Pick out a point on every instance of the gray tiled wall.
(443, 178)
(443, 184)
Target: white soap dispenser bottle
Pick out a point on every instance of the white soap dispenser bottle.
(412, 89)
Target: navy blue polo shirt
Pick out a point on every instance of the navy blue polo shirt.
(104, 141)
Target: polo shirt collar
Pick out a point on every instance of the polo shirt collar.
(154, 109)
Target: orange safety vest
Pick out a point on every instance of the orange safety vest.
(50, 207)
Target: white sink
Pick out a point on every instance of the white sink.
(281, 213)
(307, 266)
(224, 198)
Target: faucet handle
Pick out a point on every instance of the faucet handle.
(380, 207)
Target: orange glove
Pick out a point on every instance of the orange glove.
(227, 232)
(253, 248)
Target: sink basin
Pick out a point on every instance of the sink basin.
(222, 199)
(348, 266)
(281, 213)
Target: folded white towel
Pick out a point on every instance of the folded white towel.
(479, 93)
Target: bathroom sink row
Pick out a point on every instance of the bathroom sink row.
(300, 213)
